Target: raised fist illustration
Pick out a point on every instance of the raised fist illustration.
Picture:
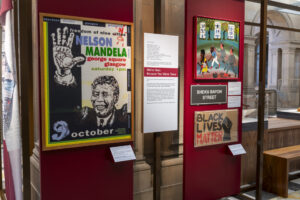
(226, 124)
(63, 58)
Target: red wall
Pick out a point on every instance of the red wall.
(86, 173)
(209, 172)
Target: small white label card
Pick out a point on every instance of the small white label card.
(122, 153)
(234, 101)
(234, 88)
(237, 149)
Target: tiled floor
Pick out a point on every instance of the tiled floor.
(294, 193)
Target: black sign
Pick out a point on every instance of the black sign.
(208, 94)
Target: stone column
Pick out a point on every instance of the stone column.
(249, 63)
(288, 63)
(172, 143)
(35, 157)
(288, 94)
(272, 68)
(142, 171)
(272, 79)
(173, 24)
(249, 73)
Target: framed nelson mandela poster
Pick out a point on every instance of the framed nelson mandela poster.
(217, 45)
(86, 81)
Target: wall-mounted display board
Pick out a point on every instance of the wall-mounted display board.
(216, 48)
(209, 169)
(160, 83)
(215, 127)
(86, 81)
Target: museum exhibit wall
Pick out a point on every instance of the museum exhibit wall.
(172, 142)
(172, 23)
(210, 172)
(85, 172)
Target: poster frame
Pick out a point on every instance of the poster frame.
(221, 143)
(43, 117)
(195, 50)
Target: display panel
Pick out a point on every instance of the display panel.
(160, 109)
(208, 94)
(215, 127)
(87, 81)
(216, 49)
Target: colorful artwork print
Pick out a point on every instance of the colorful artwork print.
(86, 73)
(217, 49)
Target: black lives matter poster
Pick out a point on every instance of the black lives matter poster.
(86, 81)
(215, 127)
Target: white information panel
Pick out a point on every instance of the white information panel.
(122, 153)
(237, 149)
(234, 101)
(234, 88)
(160, 83)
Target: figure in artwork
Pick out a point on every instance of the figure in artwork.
(220, 40)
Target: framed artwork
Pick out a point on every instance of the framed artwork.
(216, 54)
(86, 81)
(215, 127)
